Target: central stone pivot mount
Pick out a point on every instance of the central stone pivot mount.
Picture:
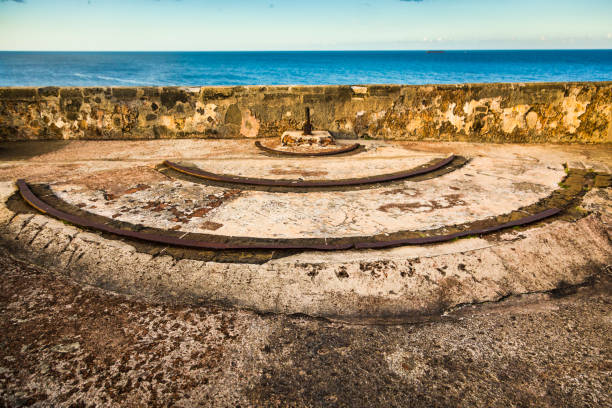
(307, 136)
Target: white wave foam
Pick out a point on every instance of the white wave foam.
(127, 81)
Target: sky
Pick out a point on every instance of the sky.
(245, 25)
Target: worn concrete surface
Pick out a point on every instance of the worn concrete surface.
(376, 159)
(88, 155)
(501, 113)
(64, 344)
(483, 188)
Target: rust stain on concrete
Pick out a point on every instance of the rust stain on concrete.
(445, 201)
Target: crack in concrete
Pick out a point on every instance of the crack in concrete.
(71, 238)
(6, 225)
(80, 256)
(24, 225)
(71, 256)
(40, 229)
(48, 244)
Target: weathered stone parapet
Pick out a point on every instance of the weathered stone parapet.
(523, 113)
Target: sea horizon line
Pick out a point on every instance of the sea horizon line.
(304, 51)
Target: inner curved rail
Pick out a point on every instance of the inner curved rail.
(203, 174)
(347, 149)
(242, 243)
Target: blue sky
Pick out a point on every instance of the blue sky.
(202, 25)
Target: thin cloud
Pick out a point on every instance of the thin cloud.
(15, 1)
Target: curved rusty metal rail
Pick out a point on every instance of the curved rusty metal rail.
(225, 242)
(203, 174)
(347, 149)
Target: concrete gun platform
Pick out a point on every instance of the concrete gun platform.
(304, 251)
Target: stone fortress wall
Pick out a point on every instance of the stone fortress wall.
(497, 113)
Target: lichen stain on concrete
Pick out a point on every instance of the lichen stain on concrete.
(528, 187)
(233, 116)
(297, 172)
(573, 109)
(249, 125)
(456, 120)
(514, 117)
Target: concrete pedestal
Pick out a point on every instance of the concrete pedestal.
(298, 138)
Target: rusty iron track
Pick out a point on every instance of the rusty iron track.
(308, 183)
(225, 243)
(347, 149)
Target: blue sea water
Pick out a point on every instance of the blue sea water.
(294, 68)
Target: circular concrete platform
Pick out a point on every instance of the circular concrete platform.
(497, 186)
(469, 194)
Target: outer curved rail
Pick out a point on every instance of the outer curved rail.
(309, 183)
(334, 152)
(225, 243)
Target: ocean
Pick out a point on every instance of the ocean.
(297, 68)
